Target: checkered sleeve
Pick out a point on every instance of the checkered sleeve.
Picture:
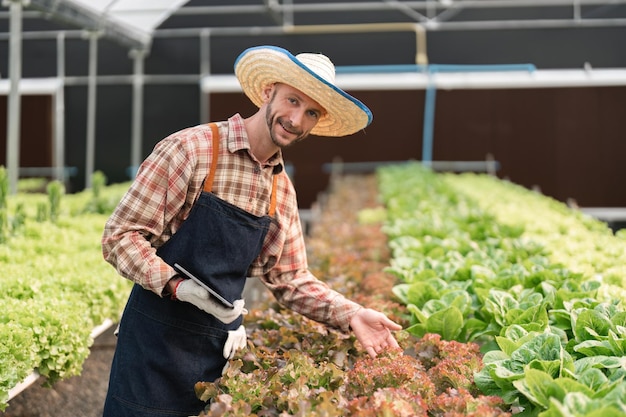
(302, 292)
(294, 286)
(158, 200)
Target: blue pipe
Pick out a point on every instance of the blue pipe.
(429, 124)
(431, 89)
(480, 68)
(360, 69)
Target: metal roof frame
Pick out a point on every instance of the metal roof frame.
(433, 14)
(129, 22)
(134, 24)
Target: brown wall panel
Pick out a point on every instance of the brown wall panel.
(568, 142)
(395, 134)
(512, 125)
(35, 131)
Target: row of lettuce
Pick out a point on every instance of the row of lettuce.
(293, 366)
(538, 285)
(55, 286)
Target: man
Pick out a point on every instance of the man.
(213, 201)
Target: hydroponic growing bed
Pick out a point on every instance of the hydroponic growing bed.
(57, 290)
(539, 285)
(471, 273)
(506, 313)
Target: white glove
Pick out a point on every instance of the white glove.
(190, 292)
(236, 340)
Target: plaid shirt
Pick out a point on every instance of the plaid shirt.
(168, 183)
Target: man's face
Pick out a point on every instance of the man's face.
(290, 115)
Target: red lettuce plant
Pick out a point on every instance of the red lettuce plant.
(451, 364)
(296, 367)
(388, 402)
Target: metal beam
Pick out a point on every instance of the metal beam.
(138, 57)
(59, 113)
(332, 7)
(429, 26)
(15, 102)
(205, 70)
(90, 153)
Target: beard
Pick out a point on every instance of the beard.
(272, 122)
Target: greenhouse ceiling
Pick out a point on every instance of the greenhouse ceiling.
(131, 22)
(135, 22)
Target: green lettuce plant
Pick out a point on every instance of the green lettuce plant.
(56, 287)
(484, 260)
(293, 366)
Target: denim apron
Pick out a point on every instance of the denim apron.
(164, 347)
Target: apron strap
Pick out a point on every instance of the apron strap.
(215, 134)
(208, 183)
(272, 210)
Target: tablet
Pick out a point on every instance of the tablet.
(211, 291)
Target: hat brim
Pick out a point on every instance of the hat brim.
(260, 66)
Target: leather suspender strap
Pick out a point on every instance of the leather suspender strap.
(273, 197)
(208, 183)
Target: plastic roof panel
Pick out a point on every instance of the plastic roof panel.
(131, 22)
(145, 15)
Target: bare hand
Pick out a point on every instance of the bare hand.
(373, 330)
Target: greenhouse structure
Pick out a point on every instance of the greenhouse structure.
(527, 93)
(547, 77)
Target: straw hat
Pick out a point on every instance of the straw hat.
(314, 75)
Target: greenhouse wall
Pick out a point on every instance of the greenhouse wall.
(36, 130)
(566, 142)
(180, 55)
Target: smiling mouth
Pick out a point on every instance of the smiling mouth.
(288, 129)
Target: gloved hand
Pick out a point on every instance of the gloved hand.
(190, 292)
(236, 340)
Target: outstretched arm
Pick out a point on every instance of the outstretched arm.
(373, 330)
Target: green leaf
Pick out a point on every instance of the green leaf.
(417, 313)
(619, 319)
(539, 387)
(600, 362)
(606, 412)
(537, 314)
(485, 381)
(514, 337)
(433, 306)
(473, 328)
(545, 346)
(418, 329)
(594, 348)
(448, 323)
(401, 291)
(618, 344)
(459, 299)
(572, 385)
(479, 272)
(617, 396)
(551, 367)
(591, 325)
(577, 403)
(593, 378)
(420, 292)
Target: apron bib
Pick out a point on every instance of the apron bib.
(164, 347)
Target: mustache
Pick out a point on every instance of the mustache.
(286, 124)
